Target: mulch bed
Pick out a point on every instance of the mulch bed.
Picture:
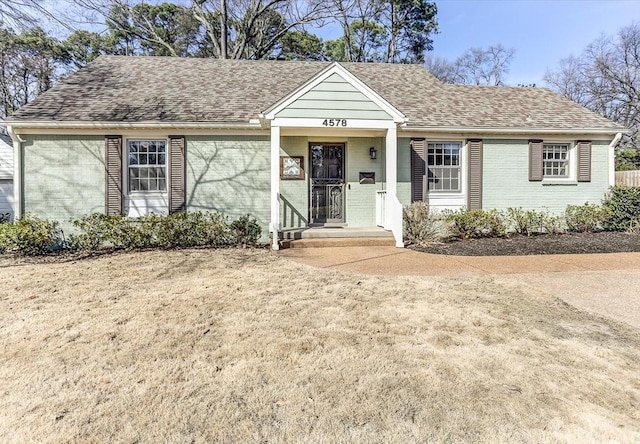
(516, 245)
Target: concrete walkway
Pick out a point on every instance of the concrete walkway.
(393, 261)
(605, 284)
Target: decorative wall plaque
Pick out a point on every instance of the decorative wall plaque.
(292, 167)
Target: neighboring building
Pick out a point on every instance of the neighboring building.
(299, 144)
(6, 176)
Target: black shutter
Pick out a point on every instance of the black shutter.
(177, 189)
(584, 161)
(113, 175)
(474, 199)
(418, 169)
(535, 160)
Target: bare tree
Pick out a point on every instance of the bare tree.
(389, 31)
(251, 29)
(476, 66)
(606, 79)
(23, 14)
(480, 66)
(444, 70)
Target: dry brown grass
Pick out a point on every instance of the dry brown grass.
(243, 346)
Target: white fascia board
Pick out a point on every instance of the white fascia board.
(335, 68)
(513, 131)
(132, 125)
(317, 123)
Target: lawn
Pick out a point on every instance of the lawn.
(245, 346)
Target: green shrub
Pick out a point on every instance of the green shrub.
(624, 206)
(468, 224)
(421, 224)
(155, 231)
(247, 230)
(94, 229)
(30, 236)
(526, 222)
(553, 224)
(586, 218)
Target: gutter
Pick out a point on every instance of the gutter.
(131, 125)
(514, 131)
(616, 140)
(17, 172)
(612, 159)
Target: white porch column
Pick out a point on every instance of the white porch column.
(17, 174)
(391, 161)
(393, 207)
(274, 226)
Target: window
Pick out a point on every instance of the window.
(443, 164)
(147, 165)
(555, 160)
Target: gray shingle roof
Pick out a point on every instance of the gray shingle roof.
(168, 89)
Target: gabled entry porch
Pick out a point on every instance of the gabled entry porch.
(334, 159)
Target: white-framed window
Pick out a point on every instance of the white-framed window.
(555, 160)
(443, 166)
(147, 165)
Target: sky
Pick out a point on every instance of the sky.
(541, 31)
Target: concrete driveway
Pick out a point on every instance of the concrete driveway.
(605, 284)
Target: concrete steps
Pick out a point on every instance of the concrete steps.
(339, 242)
(336, 237)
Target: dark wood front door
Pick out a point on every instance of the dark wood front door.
(327, 183)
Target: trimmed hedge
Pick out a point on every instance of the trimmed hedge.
(32, 236)
(586, 218)
(623, 204)
(469, 224)
(193, 229)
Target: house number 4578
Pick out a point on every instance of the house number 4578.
(334, 122)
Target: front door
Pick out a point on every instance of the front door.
(327, 182)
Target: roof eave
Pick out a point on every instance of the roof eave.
(41, 124)
(516, 131)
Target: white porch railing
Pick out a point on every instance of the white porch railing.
(389, 215)
(381, 198)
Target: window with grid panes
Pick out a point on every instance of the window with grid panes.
(147, 165)
(443, 166)
(555, 160)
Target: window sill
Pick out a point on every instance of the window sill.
(569, 182)
(134, 194)
(445, 193)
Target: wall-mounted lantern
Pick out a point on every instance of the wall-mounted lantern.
(373, 153)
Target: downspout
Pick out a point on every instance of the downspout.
(17, 172)
(612, 159)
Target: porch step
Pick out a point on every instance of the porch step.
(376, 241)
(336, 237)
(336, 233)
